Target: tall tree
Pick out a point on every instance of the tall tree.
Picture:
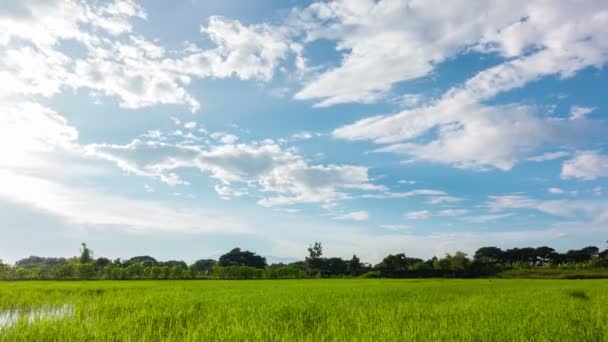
(354, 266)
(313, 260)
(85, 254)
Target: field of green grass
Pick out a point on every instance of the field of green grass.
(310, 310)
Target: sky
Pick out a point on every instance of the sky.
(182, 129)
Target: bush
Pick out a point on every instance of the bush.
(370, 274)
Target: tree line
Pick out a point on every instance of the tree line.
(243, 264)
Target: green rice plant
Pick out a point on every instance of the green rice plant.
(308, 310)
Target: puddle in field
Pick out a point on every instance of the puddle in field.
(9, 317)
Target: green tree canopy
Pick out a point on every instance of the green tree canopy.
(237, 257)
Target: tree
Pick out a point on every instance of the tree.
(396, 265)
(313, 260)
(86, 271)
(204, 266)
(143, 260)
(459, 262)
(36, 261)
(489, 255)
(354, 266)
(334, 266)
(85, 254)
(236, 257)
(546, 254)
(315, 252)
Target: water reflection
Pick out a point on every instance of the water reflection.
(9, 317)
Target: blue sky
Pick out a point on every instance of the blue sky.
(183, 129)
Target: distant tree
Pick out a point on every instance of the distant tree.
(237, 257)
(134, 271)
(316, 251)
(592, 251)
(355, 267)
(334, 267)
(85, 254)
(171, 263)
(581, 255)
(143, 260)
(459, 262)
(396, 265)
(314, 260)
(66, 271)
(489, 255)
(546, 254)
(86, 271)
(101, 264)
(36, 261)
(204, 266)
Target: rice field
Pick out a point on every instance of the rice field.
(306, 310)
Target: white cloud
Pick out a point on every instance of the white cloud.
(248, 52)
(587, 165)
(594, 211)
(478, 136)
(29, 133)
(84, 206)
(395, 227)
(279, 176)
(190, 125)
(353, 216)
(418, 215)
(485, 218)
(578, 112)
(385, 42)
(424, 214)
(110, 59)
(417, 192)
(556, 190)
(305, 135)
(459, 128)
(452, 212)
(549, 156)
(403, 181)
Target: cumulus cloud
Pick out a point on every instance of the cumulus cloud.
(587, 165)
(460, 129)
(110, 59)
(248, 52)
(279, 176)
(385, 42)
